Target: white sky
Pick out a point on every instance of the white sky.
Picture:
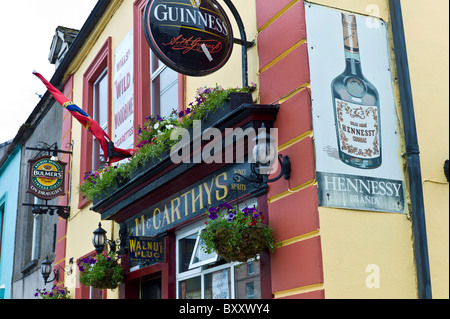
(26, 32)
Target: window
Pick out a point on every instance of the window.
(100, 114)
(206, 276)
(97, 104)
(164, 88)
(157, 89)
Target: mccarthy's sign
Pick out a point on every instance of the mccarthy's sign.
(46, 178)
(193, 37)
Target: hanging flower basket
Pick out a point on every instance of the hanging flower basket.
(236, 235)
(101, 272)
(252, 241)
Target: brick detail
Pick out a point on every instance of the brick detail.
(294, 117)
(295, 215)
(297, 265)
(282, 34)
(287, 75)
(303, 166)
(266, 10)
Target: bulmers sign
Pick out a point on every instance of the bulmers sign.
(46, 178)
(193, 37)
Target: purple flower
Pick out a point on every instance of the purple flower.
(231, 217)
(181, 114)
(248, 211)
(213, 215)
(188, 111)
(144, 142)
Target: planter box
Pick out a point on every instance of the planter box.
(237, 111)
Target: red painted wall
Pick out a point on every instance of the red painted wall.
(296, 266)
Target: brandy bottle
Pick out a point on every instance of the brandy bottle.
(356, 107)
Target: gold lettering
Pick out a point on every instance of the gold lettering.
(224, 187)
(166, 215)
(175, 209)
(186, 209)
(132, 245)
(154, 218)
(195, 199)
(208, 190)
(140, 224)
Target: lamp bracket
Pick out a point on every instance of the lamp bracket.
(66, 269)
(62, 211)
(259, 180)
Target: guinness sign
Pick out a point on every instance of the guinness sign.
(46, 179)
(192, 37)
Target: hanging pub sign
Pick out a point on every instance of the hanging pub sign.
(46, 178)
(146, 249)
(192, 37)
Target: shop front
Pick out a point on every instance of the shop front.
(161, 212)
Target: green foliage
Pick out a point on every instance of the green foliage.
(55, 293)
(101, 272)
(154, 140)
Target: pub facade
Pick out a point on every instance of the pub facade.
(135, 61)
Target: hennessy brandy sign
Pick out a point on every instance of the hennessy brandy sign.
(192, 37)
(46, 178)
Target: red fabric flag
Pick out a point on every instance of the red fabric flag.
(115, 154)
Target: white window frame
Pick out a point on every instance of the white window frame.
(154, 74)
(214, 257)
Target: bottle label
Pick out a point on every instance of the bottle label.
(359, 129)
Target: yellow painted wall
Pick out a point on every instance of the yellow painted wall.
(231, 74)
(116, 23)
(352, 241)
(427, 37)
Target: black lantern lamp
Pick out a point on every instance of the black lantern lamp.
(100, 240)
(264, 157)
(46, 270)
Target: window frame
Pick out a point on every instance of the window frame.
(102, 61)
(156, 92)
(142, 72)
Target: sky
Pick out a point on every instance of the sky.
(26, 32)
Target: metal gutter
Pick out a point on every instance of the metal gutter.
(412, 153)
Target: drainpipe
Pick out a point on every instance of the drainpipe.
(412, 153)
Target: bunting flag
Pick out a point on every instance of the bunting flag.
(113, 153)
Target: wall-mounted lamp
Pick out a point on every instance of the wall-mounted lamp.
(46, 270)
(100, 240)
(264, 156)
